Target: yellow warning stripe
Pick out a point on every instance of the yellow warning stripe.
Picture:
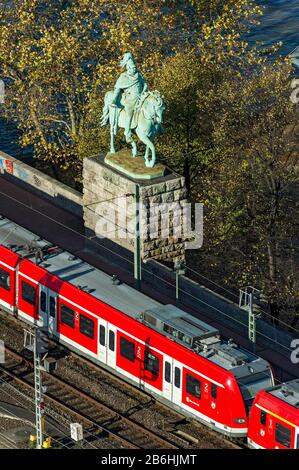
(276, 416)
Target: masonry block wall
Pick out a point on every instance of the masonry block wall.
(109, 210)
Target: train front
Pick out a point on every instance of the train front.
(248, 375)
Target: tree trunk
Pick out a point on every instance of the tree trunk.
(72, 118)
(54, 169)
(274, 311)
(37, 125)
(272, 261)
(187, 174)
(274, 308)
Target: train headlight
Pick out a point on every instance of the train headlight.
(240, 420)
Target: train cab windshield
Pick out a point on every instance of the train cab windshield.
(250, 385)
(4, 279)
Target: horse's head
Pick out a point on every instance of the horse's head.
(154, 106)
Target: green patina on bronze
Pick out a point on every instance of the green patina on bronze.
(133, 167)
(133, 107)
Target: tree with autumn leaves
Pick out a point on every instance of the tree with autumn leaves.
(61, 56)
(235, 137)
(229, 120)
(249, 185)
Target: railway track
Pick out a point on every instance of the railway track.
(172, 420)
(6, 443)
(99, 420)
(169, 412)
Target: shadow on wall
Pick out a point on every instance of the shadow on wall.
(43, 185)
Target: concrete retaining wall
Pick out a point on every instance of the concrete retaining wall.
(37, 181)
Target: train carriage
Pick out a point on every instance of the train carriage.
(8, 266)
(174, 356)
(274, 418)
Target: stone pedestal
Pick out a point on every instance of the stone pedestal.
(123, 162)
(109, 209)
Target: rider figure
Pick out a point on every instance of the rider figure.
(130, 86)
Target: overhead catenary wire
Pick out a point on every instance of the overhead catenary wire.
(59, 443)
(59, 417)
(95, 240)
(221, 311)
(4, 382)
(236, 296)
(211, 281)
(185, 265)
(49, 411)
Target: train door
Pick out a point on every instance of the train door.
(43, 306)
(111, 346)
(52, 312)
(7, 288)
(177, 378)
(102, 346)
(167, 378)
(296, 446)
(48, 309)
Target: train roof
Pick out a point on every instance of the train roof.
(287, 392)
(203, 339)
(73, 270)
(168, 320)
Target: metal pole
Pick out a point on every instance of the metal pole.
(177, 277)
(38, 394)
(137, 255)
(251, 322)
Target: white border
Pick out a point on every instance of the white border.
(7, 266)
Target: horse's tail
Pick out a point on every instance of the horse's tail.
(105, 113)
(105, 116)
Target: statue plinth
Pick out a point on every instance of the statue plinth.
(109, 209)
(134, 167)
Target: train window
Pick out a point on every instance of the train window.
(4, 279)
(214, 391)
(102, 335)
(187, 340)
(150, 319)
(177, 377)
(297, 446)
(170, 330)
(28, 293)
(263, 418)
(127, 349)
(177, 334)
(283, 435)
(43, 302)
(167, 373)
(86, 326)
(111, 340)
(67, 316)
(193, 386)
(52, 307)
(151, 363)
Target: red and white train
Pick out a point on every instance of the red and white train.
(274, 418)
(160, 348)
